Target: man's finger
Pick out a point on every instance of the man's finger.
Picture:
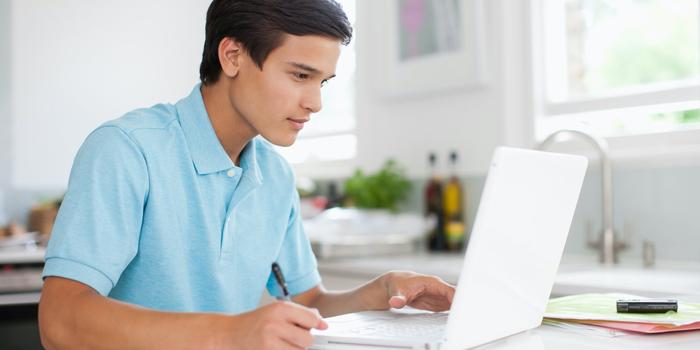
(398, 301)
(431, 304)
(298, 337)
(305, 317)
(440, 287)
(450, 294)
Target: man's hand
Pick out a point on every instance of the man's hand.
(419, 291)
(74, 316)
(281, 325)
(393, 289)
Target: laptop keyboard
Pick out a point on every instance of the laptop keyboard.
(430, 325)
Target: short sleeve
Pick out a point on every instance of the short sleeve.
(96, 233)
(296, 258)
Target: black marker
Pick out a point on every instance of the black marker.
(277, 271)
(646, 306)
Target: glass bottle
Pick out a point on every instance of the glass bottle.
(453, 206)
(433, 206)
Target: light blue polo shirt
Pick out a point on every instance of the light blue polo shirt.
(156, 214)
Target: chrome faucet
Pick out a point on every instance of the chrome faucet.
(607, 243)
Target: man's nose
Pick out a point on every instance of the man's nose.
(312, 100)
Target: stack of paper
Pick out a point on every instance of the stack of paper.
(585, 329)
(600, 310)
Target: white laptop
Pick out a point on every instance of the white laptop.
(509, 267)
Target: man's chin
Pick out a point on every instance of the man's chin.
(281, 141)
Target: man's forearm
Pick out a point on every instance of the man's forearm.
(87, 320)
(370, 296)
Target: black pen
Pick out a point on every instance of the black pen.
(277, 271)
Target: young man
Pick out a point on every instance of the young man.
(175, 213)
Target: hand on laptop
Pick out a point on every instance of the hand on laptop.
(418, 291)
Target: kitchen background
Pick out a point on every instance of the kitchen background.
(509, 73)
(60, 81)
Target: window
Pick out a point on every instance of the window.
(620, 67)
(329, 135)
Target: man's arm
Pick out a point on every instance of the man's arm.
(74, 316)
(394, 289)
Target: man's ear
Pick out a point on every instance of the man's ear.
(230, 55)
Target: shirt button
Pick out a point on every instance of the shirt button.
(230, 173)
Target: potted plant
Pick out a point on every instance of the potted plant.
(382, 190)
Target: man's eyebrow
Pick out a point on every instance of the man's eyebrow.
(308, 68)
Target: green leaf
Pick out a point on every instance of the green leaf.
(382, 190)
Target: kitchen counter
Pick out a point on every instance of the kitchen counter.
(448, 266)
(577, 274)
(20, 298)
(22, 256)
(21, 286)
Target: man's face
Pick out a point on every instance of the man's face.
(277, 100)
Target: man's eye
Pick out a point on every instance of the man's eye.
(300, 76)
(323, 83)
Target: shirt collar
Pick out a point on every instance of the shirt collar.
(249, 162)
(207, 152)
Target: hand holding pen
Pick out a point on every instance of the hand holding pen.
(276, 326)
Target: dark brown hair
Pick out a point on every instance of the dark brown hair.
(260, 26)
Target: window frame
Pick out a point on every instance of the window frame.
(681, 146)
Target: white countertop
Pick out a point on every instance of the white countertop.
(22, 256)
(20, 298)
(577, 274)
(573, 277)
(548, 337)
(449, 265)
(552, 338)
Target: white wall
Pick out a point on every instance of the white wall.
(77, 63)
(471, 120)
(5, 120)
